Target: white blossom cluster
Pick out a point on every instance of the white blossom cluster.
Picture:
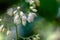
(6, 33)
(23, 17)
(33, 4)
(2, 29)
(20, 16)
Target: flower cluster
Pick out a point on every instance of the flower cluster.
(37, 2)
(20, 16)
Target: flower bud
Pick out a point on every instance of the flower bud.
(3, 30)
(10, 11)
(17, 19)
(33, 6)
(31, 17)
(24, 20)
(15, 12)
(18, 7)
(37, 2)
(1, 27)
(21, 13)
(9, 32)
(34, 10)
(30, 1)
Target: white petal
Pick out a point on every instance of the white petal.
(31, 17)
(30, 1)
(18, 7)
(24, 20)
(10, 11)
(9, 33)
(37, 2)
(15, 12)
(2, 26)
(34, 10)
(21, 13)
(31, 7)
(3, 30)
(17, 19)
(32, 14)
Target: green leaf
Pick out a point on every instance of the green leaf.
(48, 9)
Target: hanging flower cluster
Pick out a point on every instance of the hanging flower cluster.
(4, 30)
(20, 16)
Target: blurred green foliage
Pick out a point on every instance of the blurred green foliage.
(48, 9)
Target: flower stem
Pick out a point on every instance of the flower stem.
(16, 33)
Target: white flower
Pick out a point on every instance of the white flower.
(17, 19)
(32, 14)
(18, 7)
(22, 14)
(30, 1)
(31, 7)
(31, 17)
(34, 10)
(3, 30)
(9, 33)
(24, 20)
(10, 11)
(37, 2)
(15, 12)
(1, 27)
